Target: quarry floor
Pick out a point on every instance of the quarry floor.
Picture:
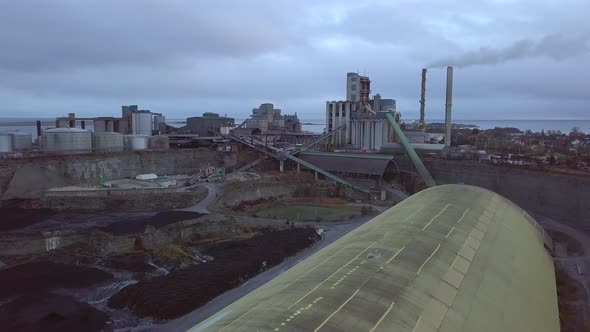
(81, 290)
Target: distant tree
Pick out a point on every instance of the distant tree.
(528, 132)
(551, 159)
(475, 131)
(575, 130)
(542, 133)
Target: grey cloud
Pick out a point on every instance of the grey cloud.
(553, 46)
(186, 57)
(58, 35)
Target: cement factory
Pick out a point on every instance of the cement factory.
(131, 223)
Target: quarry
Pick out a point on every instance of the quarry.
(119, 239)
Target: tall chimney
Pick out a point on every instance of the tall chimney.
(448, 106)
(38, 129)
(422, 124)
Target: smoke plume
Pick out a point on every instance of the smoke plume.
(554, 47)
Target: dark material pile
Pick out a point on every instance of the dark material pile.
(49, 312)
(15, 218)
(134, 262)
(44, 276)
(160, 219)
(33, 308)
(182, 291)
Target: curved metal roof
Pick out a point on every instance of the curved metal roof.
(340, 163)
(450, 258)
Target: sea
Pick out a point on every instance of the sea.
(317, 125)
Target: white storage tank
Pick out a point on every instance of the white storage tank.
(136, 142)
(67, 140)
(141, 123)
(5, 143)
(159, 142)
(21, 141)
(107, 142)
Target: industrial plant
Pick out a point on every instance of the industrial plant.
(210, 225)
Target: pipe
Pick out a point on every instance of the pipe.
(422, 99)
(448, 106)
(38, 128)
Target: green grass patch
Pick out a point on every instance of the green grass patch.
(309, 212)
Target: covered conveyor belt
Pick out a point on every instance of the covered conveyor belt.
(449, 258)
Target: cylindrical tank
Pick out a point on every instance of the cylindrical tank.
(21, 141)
(136, 142)
(159, 142)
(141, 123)
(67, 140)
(158, 118)
(5, 143)
(107, 142)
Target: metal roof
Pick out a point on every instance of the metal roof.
(349, 155)
(347, 164)
(449, 258)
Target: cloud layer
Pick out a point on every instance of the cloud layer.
(183, 58)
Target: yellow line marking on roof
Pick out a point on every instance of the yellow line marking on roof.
(341, 306)
(315, 267)
(331, 275)
(427, 259)
(394, 256)
(411, 215)
(382, 317)
(438, 215)
(417, 323)
(464, 213)
(449, 233)
(237, 319)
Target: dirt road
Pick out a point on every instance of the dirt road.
(201, 207)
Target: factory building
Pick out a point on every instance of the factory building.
(268, 119)
(358, 88)
(133, 121)
(364, 118)
(210, 124)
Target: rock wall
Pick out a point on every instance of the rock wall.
(123, 199)
(234, 194)
(103, 243)
(559, 196)
(29, 178)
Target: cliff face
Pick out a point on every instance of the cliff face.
(559, 196)
(29, 178)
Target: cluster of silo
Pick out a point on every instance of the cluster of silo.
(107, 142)
(66, 140)
(15, 141)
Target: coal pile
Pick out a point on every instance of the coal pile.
(37, 277)
(138, 225)
(50, 313)
(134, 262)
(182, 291)
(15, 218)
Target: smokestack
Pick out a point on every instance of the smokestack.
(38, 128)
(448, 106)
(422, 99)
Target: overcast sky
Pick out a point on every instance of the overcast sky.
(515, 59)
